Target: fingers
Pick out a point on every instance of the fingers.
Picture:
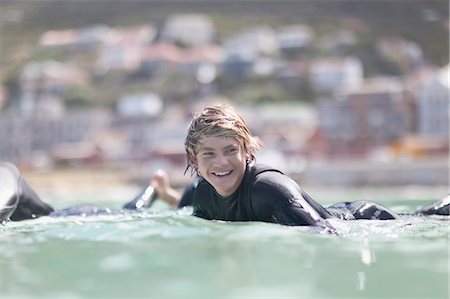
(160, 181)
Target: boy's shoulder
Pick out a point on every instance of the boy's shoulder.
(260, 173)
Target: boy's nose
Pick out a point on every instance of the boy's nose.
(220, 160)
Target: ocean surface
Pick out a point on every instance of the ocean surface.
(164, 253)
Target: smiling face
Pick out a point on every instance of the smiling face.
(221, 161)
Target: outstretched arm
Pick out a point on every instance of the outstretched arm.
(159, 187)
(160, 181)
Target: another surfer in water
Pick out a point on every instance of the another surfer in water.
(18, 201)
(230, 185)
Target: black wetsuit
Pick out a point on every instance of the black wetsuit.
(30, 205)
(267, 195)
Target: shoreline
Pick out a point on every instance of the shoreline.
(114, 184)
(76, 177)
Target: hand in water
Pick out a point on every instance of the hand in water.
(161, 182)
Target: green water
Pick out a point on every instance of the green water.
(170, 254)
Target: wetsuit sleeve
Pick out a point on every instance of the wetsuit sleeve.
(277, 196)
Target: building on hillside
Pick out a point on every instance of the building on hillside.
(59, 38)
(124, 49)
(338, 42)
(91, 37)
(194, 58)
(27, 136)
(88, 38)
(259, 41)
(189, 30)
(293, 40)
(433, 106)
(328, 75)
(378, 113)
(292, 75)
(139, 105)
(144, 135)
(407, 54)
(44, 83)
(244, 51)
(159, 56)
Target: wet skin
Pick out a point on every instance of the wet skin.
(221, 161)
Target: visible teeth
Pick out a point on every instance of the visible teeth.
(222, 173)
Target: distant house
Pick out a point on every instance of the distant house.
(92, 37)
(244, 49)
(294, 40)
(119, 57)
(159, 55)
(285, 127)
(407, 54)
(88, 38)
(144, 135)
(338, 42)
(59, 38)
(196, 57)
(433, 106)
(378, 113)
(139, 105)
(255, 41)
(292, 75)
(189, 30)
(43, 83)
(331, 74)
(124, 48)
(189, 60)
(40, 133)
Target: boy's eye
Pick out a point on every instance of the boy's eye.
(207, 154)
(231, 150)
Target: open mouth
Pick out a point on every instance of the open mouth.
(222, 173)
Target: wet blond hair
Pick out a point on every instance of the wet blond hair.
(220, 120)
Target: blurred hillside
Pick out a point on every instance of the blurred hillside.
(22, 22)
(361, 84)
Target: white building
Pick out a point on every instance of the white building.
(43, 84)
(332, 74)
(86, 38)
(124, 48)
(377, 113)
(189, 30)
(433, 105)
(294, 39)
(138, 105)
(252, 42)
(26, 136)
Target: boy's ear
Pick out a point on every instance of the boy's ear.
(195, 163)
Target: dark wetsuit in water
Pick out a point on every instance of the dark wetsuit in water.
(30, 205)
(267, 195)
